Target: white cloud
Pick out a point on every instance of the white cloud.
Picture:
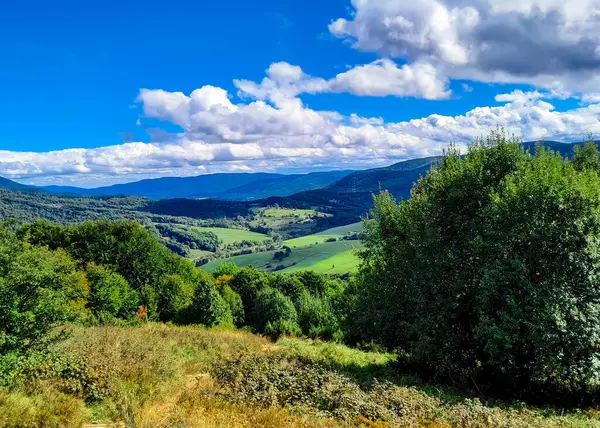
(221, 136)
(546, 43)
(380, 78)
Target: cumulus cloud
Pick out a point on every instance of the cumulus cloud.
(379, 78)
(220, 135)
(547, 43)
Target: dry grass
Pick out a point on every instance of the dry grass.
(167, 376)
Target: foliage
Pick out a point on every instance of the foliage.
(39, 289)
(247, 283)
(110, 293)
(207, 307)
(289, 285)
(166, 284)
(586, 157)
(316, 317)
(236, 306)
(274, 314)
(194, 239)
(489, 273)
(226, 268)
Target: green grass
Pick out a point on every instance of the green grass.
(286, 212)
(328, 257)
(231, 236)
(317, 238)
(197, 254)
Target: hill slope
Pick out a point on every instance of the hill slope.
(234, 186)
(7, 184)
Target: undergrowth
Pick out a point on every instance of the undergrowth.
(167, 376)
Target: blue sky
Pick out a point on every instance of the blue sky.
(90, 93)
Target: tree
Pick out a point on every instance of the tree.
(586, 157)
(489, 273)
(247, 282)
(39, 289)
(274, 314)
(226, 268)
(110, 293)
(207, 307)
(174, 296)
(316, 317)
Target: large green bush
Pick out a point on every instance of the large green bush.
(39, 289)
(174, 296)
(316, 317)
(207, 307)
(247, 282)
(489, 274)
(110, 294)
(236, 306)
(274, 314)
(167, 285)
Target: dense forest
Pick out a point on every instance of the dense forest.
(486, 279)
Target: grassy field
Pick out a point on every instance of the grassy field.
(230, 236)
(328, 257)
(318, 238)
(167, 376)
(288, 213)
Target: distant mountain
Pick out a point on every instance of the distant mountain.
(234, 186)
(5, 183)
(345, 194)
(396, 178)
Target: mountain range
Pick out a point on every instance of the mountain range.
(348, 194)
(224, 186)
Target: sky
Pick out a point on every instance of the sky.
(97, 93)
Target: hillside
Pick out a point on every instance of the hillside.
(5, 183)
(187, 376)
(228, 186)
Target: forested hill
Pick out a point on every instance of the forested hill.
(5, 183)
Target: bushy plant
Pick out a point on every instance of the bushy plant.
(316, 317)
(236, 306)
(110, 294)
(39, 289)
(274, 313)
(488, 274)
(174, 296)
(289, 285)
(226, 268)
(247, 282)
(208, 307)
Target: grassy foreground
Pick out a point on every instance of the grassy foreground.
(166, 376)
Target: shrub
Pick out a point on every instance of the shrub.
(274, 313)
(226, 268)
(39, 289)
(236, 306)
(207, 307)
(289, 285)
(110, 293)
(174, 296)
(316, 317)
(247, 282)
